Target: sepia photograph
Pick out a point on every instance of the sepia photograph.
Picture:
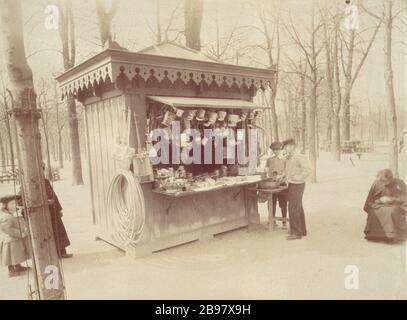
(203, 150)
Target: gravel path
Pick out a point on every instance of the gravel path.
(255, 264)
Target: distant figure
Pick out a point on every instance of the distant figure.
(386, 206)
(275, 168)
(14, 237)
(298, 169)
(351, 16)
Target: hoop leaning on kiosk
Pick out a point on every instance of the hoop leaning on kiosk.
(127, 208)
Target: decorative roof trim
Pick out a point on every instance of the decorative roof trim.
(115, 66)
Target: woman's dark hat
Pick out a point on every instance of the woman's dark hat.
(6, 199)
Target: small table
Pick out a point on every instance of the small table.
(252, 206)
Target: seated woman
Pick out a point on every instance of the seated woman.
(386, 206)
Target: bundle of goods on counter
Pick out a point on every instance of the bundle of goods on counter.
(170, 143)
(178, 184)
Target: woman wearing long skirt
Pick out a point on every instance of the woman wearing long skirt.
(14, 237)
(386, 207)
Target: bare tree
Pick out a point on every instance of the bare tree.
(310, 52)
(220, 47)
(353, 43)
(158, 16)
(300, 69)
(24, 112)
(193, 11)
(67, 35)
(5, 109)
(339, 97)
(165, 27)
(270, 29)
(60, 126)
(388, 17)
(303, 133)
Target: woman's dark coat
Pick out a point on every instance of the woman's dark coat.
(386, 221)
(55, 208)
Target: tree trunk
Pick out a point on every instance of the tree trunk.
(386, 128)
(336, 137)
(348, 84)
(336, 123)
(60, 150)
(330, 82)
(312, 127)
(316, 135)
(75, 143)
(193, 10)
(59, 129)
(29, 150)
(389, 89)
(313, 102)
(8, 128)
(274, 121)
(303, 114)
(304, 126)
(53, 149)
(273, 63)
(67, 35)
(158, 21)
(3, 154)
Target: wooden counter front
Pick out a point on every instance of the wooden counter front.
(173, 220)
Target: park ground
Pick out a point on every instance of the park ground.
(242, 264)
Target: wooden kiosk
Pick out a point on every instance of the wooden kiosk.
(115, 83)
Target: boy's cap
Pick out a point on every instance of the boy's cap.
(276, 145)
(288, 142)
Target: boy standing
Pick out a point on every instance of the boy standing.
(298, 169)
(275, 168)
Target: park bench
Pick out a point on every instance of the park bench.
(8, 175)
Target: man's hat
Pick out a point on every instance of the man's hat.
(6, 199)
(289, 142)
(276, 145)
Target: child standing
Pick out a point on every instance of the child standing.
(14, 241)
(275, 168)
